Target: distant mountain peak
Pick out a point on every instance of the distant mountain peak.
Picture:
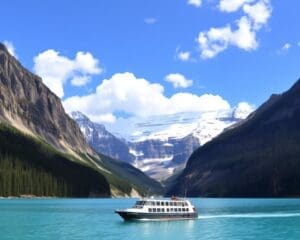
(100, 139)
(76, 115)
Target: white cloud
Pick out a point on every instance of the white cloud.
(243, 35)
(196, 3)
(10, 48)
(104, 118)
(56, 70)
(80, 80)
(123, 92)
(259, 12)
(150, 20)
(243, 109)
(178, 80)
(217, 40)
(232, 5)
(184, 56)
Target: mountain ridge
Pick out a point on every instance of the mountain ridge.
(161, 153)
(258, 158)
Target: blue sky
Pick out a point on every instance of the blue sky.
(145, 37)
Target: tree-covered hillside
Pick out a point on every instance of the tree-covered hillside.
(32, 167)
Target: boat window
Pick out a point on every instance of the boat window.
(163, 210)
(185, 204)
(175, 209)
(158, 203)
(162, 203)
(168, 210)
(150, 209)
(154, 209)
(158, 209)
(167, 203)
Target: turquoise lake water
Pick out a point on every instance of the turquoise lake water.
(95, 219)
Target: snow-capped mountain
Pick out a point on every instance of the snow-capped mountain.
(102, 140)
(158, 145)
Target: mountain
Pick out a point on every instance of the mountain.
(43, 151)
(28, 105)
(159, 145)
(101, 140)
(259, 157)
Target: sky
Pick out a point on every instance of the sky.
(132, 58)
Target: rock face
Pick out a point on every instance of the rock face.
(161, 152)
(160, 159)
(259, 157)
(27, 104)
(101, 140)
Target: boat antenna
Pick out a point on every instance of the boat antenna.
(185, 193)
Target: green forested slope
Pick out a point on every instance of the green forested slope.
(32, 167)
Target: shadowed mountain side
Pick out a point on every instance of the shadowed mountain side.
(258, 158)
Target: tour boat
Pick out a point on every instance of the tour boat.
(159, 209)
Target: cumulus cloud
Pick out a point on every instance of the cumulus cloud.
(217, 40)
(150, 20)
(56, 70)
(259, 13)
(232, 5)
(178, 80)
(196, 3)
(11, 48)
(124, 92)
(243, 35)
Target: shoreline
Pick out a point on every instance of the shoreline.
(29, 197)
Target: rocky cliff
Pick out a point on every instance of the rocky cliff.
(27, 104)
(101, 140)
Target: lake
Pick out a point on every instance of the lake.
(95, 219)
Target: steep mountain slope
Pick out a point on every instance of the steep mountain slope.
(118, 172)
(101, 140)
(164, 143)
(42, 150)
(260, 157)
(27, 104)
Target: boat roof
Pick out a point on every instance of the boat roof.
(163, 199)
